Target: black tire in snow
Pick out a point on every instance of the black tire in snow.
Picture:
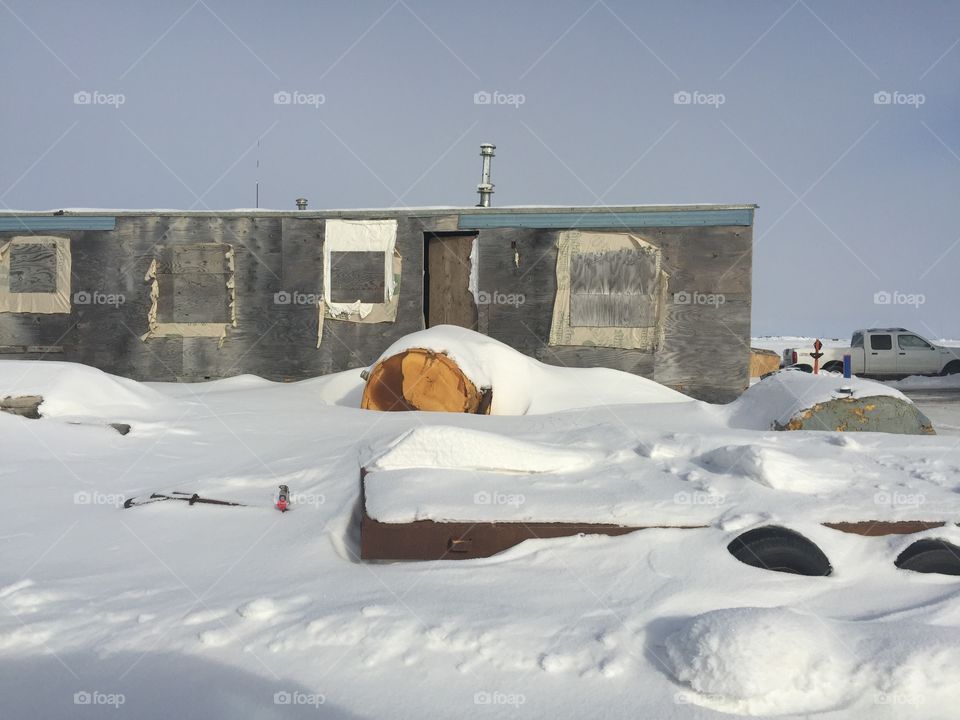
(930, 555)
(781, 550)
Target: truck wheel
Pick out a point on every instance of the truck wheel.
(952, 368)
(833, 366)
(781, 550)
(930, 555)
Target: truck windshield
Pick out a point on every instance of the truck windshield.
(857, 340)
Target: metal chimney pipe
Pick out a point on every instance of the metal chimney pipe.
(485, 188)
(301, 203)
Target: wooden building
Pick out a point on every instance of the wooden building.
(660, 291)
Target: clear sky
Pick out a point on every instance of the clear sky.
(140, 104)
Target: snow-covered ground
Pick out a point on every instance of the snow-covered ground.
(169, 610)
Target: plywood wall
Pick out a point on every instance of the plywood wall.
(704, 349)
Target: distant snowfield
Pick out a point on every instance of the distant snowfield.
(230, 612)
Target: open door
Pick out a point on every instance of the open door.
(447, 299)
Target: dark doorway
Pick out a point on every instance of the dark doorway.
(447, 299)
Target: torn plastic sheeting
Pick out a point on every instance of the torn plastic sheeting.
(37, 302)
(361, 236)
(563, 333)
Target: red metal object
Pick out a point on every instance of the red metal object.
(816, 355)
(283, 499)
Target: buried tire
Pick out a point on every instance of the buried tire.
(780, 550)
(930, 555)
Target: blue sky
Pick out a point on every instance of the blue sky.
(856, 194)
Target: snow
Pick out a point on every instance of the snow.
(169, 610)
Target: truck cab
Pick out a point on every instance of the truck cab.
(883, 353)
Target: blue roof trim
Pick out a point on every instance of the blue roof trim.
(600, 219)
(31, 223)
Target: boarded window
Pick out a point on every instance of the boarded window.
(357, 276)
(193, 284)
(613, 289)
(610, 291)
(33, 268)
(193, 292)
(35, 275)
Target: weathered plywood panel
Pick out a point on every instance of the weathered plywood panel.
(612, 310)
(199, 298)
(33, 268)
(357, 276)
(448, 275)
(625, 272)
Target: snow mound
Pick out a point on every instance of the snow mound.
(70, 390)
(444, 446)
(778, 398)
(760, 660)
(524, 386)
(926, 382)
(775, 469)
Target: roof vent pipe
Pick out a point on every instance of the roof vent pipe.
(301, 203)
(485, 188)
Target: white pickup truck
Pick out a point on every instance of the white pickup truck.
(882, 353)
